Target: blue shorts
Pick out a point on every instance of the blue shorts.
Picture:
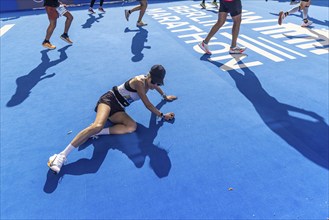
(233, 7)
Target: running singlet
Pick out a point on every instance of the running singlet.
(128, 93)
(51, 3)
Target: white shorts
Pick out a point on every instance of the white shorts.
(61, 10)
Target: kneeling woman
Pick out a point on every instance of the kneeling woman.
(112, 105)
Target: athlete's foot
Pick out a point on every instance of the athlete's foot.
(140, 24)
(48, 45)
(214, 3)
(204, 47)
(91, 11)
(281, 17)
(237, 50)
(101, 9)
(66, 38)
(203, 5)
(56, 162)
(307, 23)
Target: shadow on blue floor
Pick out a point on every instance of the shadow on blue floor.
(138, 43)
(26, 83)
(91, 20)
(136, 147)
(309, 137)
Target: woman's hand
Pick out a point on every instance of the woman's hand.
(170, 98)
(169, 116)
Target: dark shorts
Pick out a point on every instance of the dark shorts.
(110, 100)
(51, 12)
(232, 7)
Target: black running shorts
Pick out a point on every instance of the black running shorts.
(233, 7)
(110, 100)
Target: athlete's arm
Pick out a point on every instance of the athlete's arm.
(165, 97)
(139, 87)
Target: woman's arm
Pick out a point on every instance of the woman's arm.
(139, 86)
(164, 96)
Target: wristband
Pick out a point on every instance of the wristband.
(161, 115)
(164, 96)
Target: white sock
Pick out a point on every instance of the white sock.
(104, 131)
(67, 150)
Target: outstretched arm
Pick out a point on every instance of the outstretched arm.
(164, 96)
(139, 86)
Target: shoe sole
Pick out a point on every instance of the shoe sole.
(307, 25)
(50, 48)
(50, 165)
(206, 52)
(240, 52)
(141, 25)
(69, 42)
(280, 18)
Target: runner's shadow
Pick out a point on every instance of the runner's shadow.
(26, 83)
(304, 130)
(138, 43)
(136, 146)
(92, 19)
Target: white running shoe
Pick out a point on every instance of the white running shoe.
(56, 162)
(308, 23)
(204, 47)
(127, 14)
(237, 50)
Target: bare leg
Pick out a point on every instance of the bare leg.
(142, 10)
(69, 19)
(50, 29)
(103, 112)
(123, 123)
(220, 22)
(235, 29)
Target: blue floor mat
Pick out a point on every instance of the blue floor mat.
(250, 137)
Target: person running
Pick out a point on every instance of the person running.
(141, 8)
(203, 4)
(100, 8)
(304, 5)
(111, 106)
(54, 9)
(234, 7)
